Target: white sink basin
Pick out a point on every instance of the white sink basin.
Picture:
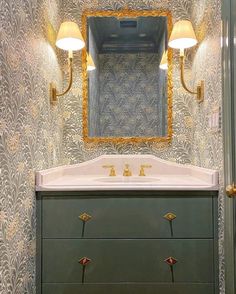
(91, 175)
(127, 180)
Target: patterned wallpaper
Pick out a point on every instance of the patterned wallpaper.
(30, 131)
(205, 17)
(131, 96)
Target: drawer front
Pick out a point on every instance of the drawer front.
(127, 217)
(128, 289)
(117, 261)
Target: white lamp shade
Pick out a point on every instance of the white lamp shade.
(90, 63)
(164, 61)
(69, 37)
(183, 35)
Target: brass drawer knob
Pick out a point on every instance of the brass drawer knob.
(85, 217)
(170, 216)
(84, 261)
(171, 261)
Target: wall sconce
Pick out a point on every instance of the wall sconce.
(69, 38)
(90, 63)
(164, 62)
(183, 37)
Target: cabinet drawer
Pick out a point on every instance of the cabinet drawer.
(127, 217)
(128, 289)
(117, 261)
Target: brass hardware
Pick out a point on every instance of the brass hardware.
(84, 261)
(127, 172)
(231, 190)
(170, 216)
(85, 217)
(142, 167)
(53, 90)
(127, 13)
(200, 87)
(112, 171)
(171, 261)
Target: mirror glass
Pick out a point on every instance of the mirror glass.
(127, 96)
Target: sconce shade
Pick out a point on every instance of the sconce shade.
(164, 62)
(69, 37)
(90, 63)
(183, 35)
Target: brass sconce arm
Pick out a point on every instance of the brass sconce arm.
(200, 87)
(53, 90)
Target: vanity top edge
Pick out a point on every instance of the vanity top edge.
(129, 188)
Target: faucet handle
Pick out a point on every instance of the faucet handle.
(112, 171)
(142, 167)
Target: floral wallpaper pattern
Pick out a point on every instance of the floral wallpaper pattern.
(132, 95)
(34, 135)
(30, 130)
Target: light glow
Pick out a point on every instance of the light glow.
(164, 62)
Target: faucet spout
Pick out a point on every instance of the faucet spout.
(127, 172)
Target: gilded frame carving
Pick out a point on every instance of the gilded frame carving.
(122, 14)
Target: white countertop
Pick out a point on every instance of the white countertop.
(91, 176)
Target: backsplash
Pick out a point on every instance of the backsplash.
(30, 131)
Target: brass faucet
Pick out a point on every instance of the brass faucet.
(127, 172)
(142, 167)
(112, 171)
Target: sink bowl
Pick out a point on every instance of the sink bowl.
(126, 180)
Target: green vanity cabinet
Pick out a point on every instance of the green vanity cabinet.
(132, 242)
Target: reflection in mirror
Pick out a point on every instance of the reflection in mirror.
(127, 95)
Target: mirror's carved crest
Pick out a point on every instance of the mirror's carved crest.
(122, 14)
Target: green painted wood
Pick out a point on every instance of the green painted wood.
(216, 245)
(38, 245)
(115, 261)
(128, 289)
(127, 217)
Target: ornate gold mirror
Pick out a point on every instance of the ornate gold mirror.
(127, 97)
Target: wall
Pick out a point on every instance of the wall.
(193, 141)
(30, 130)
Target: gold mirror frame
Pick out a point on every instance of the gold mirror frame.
(122, 14)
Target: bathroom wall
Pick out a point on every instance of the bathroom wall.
(193, 141)
(30, 130)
